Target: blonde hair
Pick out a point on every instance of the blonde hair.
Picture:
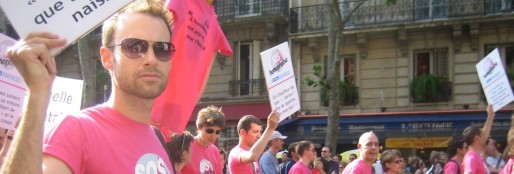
(210, 116)
(153, 8)
(510, 139)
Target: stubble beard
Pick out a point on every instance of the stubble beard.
(140, 89)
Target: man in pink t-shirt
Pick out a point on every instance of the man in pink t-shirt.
(114, 137)
(368, 146)
(476, 137)
(307, 152)
(206, 159)
(244, 156)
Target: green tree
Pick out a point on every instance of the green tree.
(335, 35)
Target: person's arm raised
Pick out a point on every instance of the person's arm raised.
(32, 59)
(486, 130)
(257, 149)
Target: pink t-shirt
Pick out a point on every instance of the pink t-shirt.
(235, 165)
(101, 140)
(508, 167)
(357, 166)
(205, 160)
(473, 163)
(452, 167)
(300, 168)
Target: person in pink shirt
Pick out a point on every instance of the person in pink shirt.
(206, 159)
(114, 137)
(244, 156)
(457, 148)
(476, 137)
(368, 146)
(307, 152)
(509, 150)
(179, 150)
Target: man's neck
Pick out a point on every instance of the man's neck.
(198, 139)
(243, 144)
(476, 148)
(306, 162)
(131, 106)
(369, 163)
(458, 158)
(327, 159)
(497, 154)
(273, 150)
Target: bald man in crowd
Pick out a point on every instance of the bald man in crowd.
(369, 149)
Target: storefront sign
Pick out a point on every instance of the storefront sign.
(431, 142)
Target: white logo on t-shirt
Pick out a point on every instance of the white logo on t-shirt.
(151, 164)
(206, 167)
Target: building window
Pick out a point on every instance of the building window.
(433, 62)
(248, 71)
(496, 6)
(248, 7)
(431, 83)
(506, 54)
(430, 9)
(348, 69)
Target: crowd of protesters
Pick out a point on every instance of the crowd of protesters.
(115, 137)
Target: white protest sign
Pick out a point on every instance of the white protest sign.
(13, 88)
(280, 80)
(65, 99)
(69, 19)
(494, 80)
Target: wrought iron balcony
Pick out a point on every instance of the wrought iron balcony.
(373, 12)
(255, 87)
(443, 94)
(245, 10)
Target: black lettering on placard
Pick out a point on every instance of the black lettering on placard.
(87, 9)
(41, 18)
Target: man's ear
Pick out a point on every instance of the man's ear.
(107, 58)
(477, 138)
(359, 146)
(242, 132)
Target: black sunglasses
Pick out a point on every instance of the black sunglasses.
(135, 48)
(211, 131)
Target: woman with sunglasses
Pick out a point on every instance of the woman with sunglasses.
(179, 150)
(209, 123)
(392, 161)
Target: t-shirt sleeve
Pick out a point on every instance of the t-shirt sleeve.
(470, 165)
(64, 142)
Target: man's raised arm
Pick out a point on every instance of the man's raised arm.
(32, 59)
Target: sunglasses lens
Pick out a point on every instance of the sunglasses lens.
(163, 50)
(134, 48)
(211, 131)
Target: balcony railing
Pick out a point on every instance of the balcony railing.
(241, 10)
(255, 87)
(444, 94)
(315, 18)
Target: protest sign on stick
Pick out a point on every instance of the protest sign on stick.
(494, 80)
(69, 19)
(280, 80)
